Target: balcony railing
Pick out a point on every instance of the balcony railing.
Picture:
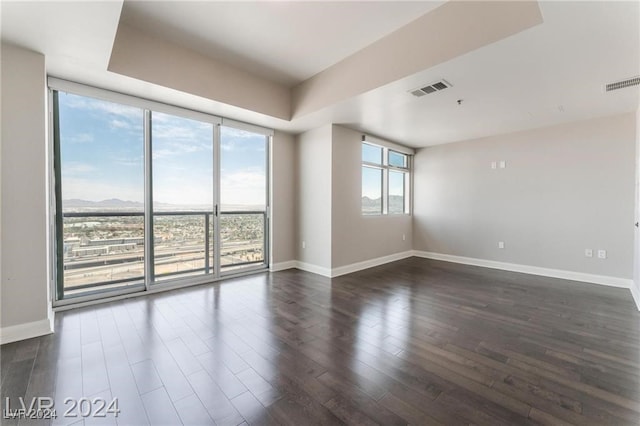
(106, 249)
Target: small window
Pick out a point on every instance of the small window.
(371, 154)
(385, 181)
(397, 160)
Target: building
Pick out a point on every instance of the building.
(521, 123)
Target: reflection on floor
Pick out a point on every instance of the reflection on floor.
(416, 341)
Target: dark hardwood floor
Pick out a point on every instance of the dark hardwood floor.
(413, 342)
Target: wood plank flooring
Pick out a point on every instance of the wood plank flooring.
(416, 342)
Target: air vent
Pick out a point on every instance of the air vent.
(431, 88)
(634, 81)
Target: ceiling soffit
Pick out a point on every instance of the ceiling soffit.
(449, 31)
(139, 55)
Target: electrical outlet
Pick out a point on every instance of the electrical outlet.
(500, 244)
(404, 237)
(503, 164)
(588, 252)
(494, 165)
(602, 254)
(304, 245)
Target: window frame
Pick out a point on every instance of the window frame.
(386, 168)
(55, 85)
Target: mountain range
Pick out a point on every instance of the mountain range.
(76, 204)
(113, 202)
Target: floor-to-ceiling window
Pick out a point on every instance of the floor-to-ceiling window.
(99, 155)
(148, 194)
(243, 198)
(183, 197)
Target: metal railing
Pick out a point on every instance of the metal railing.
(231, 243)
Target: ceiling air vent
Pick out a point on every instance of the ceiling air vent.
(633, 81)
(431, 88)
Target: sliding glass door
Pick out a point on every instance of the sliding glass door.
(147, 197)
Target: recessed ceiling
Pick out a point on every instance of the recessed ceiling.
(549, 74)
(287, 42)
(552, 73)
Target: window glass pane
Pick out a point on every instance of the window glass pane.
(396, 192)
(371, 190)
(397, 160)
(243, 174)
(182, 196)
(371, 153)
(102, 192)
(243, 189)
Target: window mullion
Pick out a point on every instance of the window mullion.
(385, 190)
(148, 203)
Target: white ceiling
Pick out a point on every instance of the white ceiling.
(513, 84)
(286, 42)
(76, 37)
(546, 75)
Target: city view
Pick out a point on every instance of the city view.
(103, 242)
(103, 174)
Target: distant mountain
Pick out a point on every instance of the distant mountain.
(111, 203)
(370, 202)
(369, 205)
(122, 205)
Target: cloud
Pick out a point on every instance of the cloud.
(92, 104)
(173, 136)
(173, 150)
(232, 133)
(232, 145)
(119, 124)
(129, 161)
(77, 169)
(243, 187)
(241, 140)
(183, 187)
(79, 138)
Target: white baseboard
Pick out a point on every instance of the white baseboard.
(635, 292)
(359, 266)
(533, 270)
(26, 331)
(346, 269)
(281, 266)
(314, 269)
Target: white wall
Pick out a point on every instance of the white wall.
(357, 238)
(313, 166)
(338, 239)
(24, 265)
(565, 188)
(283, 199)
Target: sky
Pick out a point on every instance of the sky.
(102, 156)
